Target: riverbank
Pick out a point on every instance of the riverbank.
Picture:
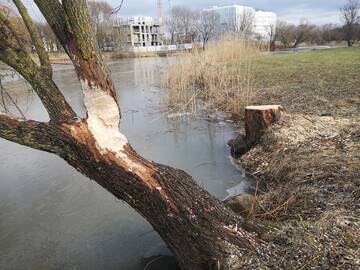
(63, 59)
(307, 166)
(307, 169)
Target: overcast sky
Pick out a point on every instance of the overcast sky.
(316, 11)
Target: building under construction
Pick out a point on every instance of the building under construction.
(140, 31)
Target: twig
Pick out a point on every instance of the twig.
(277, 208)
(118, 8)
(313, 259)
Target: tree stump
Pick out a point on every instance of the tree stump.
(258, 119)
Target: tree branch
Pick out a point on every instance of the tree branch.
(36, 38)
(30, 133)
(53, 100)
(71, 23)
(8, 33)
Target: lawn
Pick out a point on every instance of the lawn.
(323, 82)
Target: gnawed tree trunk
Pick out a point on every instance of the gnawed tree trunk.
(200, 231)
(258, 119)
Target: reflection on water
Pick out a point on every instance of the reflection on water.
(51, 217)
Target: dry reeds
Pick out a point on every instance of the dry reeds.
(221, 76)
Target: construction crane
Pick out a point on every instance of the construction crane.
(159, 11)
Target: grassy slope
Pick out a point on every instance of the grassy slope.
(317, 82)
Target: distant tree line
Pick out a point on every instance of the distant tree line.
(185, 25)
(290, 35)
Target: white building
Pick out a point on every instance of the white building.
(264, 22)
(246, 19)
(140, 31)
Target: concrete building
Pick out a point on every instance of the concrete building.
(245, 18)
(263, 22)
(140, 31)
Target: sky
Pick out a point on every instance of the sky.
(316, 11)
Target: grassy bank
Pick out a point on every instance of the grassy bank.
(307, 166)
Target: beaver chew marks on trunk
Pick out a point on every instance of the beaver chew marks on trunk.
(258, 119)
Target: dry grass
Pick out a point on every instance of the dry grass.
(231, 74)
(221, 76)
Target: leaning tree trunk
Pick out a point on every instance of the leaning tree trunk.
(200, 231)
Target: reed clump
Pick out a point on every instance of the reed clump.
(221, 76)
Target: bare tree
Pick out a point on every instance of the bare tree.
(120, 36)
(272, 36)
(285, 33)
(350, 15)
(182, 24)
(302, 33)
(328, 33)
(242, 25)
(207, 24)
(100, 12)
(200, 230)
(291, 35)
(48, 36)
(170, 24)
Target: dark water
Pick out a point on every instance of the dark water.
(51, 217)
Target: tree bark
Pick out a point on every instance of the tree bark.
(258, 119)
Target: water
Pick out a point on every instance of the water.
(51, 217)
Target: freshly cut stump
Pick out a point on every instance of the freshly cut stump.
(259, 118)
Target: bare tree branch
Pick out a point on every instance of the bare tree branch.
(350, 15)
(7, 98)
(51, 97)
(118, 8)
(206, 25)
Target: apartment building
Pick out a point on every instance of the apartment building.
(245, 18)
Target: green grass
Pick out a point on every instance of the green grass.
(317, 82)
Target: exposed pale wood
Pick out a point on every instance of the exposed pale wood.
(258, 119)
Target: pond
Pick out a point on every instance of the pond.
(52, 217)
